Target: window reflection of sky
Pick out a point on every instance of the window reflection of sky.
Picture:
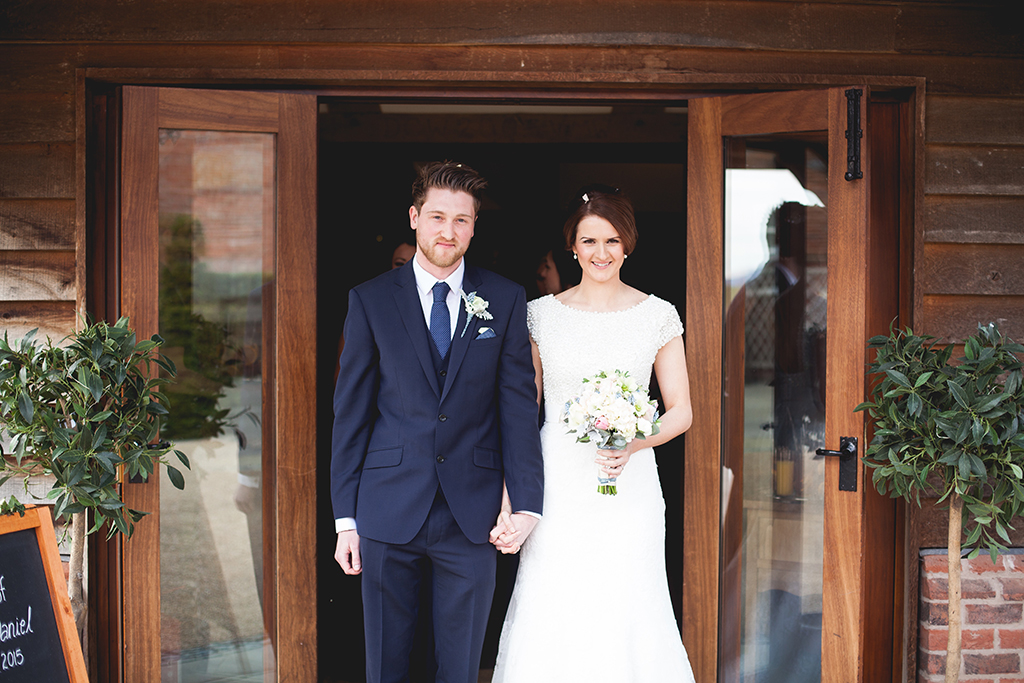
(751, 196)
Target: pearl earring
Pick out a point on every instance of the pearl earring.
(575, 256)
(625, 256)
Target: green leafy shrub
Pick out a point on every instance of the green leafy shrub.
(955, 427)
(88, 413)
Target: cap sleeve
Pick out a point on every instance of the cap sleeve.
(671, 326)
(532, 318)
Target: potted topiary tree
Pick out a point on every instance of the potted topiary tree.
(953, 430)
(88, 413)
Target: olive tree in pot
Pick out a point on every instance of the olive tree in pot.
(951, 430)
(87, 412)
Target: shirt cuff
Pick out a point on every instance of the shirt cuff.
(250, 481)
(345, 524)
(527, 512)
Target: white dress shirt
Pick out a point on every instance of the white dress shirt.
(425, 288)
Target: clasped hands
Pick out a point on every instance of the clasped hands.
(512, 529)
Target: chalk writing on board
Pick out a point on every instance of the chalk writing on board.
(10, 630)
(30, 646)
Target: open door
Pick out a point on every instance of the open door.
(777, 553)
(217, 254)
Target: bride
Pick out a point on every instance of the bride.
(591, 600)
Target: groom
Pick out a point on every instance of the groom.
(435, 408)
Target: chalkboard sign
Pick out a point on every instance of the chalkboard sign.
(38, 640)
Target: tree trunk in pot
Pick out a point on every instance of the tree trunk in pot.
(953, 555)
(76, 589)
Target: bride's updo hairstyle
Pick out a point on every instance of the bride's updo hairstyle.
(604, 202)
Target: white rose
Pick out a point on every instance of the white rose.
(577, 415)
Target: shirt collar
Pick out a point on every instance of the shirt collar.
(425, 281)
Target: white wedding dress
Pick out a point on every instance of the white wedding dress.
(591, 600)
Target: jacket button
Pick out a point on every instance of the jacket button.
(440, 458)
(442, 417)
(444, 373)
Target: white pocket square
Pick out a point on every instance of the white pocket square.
(485, 333)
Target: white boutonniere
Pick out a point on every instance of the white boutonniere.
(476, 307)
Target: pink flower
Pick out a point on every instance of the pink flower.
(602, 422)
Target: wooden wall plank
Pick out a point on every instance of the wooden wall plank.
(975, 120)
(37, 224)
(37, 170)
(908, 27)
(710, 23)
(37, 275)
(49, 67)
(37, 68)
(992, 269)
(958, 29)
(54, 319)
(37, 117)
(954, 318)
(979, 170)
(950, 218)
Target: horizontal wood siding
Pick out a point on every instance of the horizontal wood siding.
(973, 217)
(38, 224)
(53, 319)
(893, 27)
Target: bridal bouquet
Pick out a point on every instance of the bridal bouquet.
(610, 410)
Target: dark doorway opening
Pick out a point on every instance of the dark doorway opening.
(534, 158)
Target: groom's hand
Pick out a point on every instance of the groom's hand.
(347, 552)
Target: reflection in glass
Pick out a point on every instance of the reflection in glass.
(773, 410)
(217, 194)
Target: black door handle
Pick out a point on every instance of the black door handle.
(847, 455)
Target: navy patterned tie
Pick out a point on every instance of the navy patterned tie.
(441, 319)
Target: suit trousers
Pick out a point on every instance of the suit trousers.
(463, 586)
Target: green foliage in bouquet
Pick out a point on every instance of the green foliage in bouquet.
(951, 427)
(82, 412)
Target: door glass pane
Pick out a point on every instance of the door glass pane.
(774, 409)
(217, 221)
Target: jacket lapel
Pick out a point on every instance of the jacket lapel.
(460, 344)
(411, 313)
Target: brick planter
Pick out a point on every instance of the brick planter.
(992, 609)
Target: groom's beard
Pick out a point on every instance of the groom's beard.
(442, 257)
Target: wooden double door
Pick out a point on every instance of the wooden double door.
(218, 253)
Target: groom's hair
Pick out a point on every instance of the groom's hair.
(605, 202)
(447, 175)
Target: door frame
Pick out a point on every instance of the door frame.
(131, 569)
(856, 562)
(547, 86)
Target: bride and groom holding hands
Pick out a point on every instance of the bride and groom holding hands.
(437, 459)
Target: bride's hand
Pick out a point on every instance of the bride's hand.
(613, 462)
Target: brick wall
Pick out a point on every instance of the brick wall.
(992, 611)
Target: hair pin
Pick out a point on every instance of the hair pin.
(585, 198)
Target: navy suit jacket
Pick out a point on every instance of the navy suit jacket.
(400, 430)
